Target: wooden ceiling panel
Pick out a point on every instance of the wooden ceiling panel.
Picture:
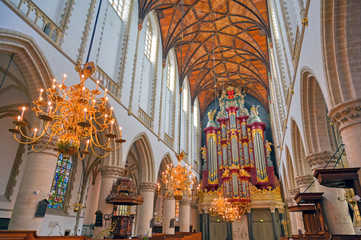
(216, 41)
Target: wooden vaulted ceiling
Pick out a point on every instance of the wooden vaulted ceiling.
(223, 42)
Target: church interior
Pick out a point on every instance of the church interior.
(180, 119)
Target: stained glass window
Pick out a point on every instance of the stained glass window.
(60, 182)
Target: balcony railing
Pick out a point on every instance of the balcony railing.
(144, 117)
(168, 140)
(107, 82)
(39, 19)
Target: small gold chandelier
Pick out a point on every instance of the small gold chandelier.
(178, 180)
(73, 115)
(228, 211)
(219, 206)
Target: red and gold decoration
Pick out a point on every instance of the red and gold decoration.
(178, 180)
(236, 155)
(74, 116)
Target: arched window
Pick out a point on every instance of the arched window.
(195, 135)
(118, 6)
(148, 70)
(148, 40)
(60, 182)
(169, 111)
(185, 109)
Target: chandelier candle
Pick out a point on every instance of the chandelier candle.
(73, 115)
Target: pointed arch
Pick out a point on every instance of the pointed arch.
(144, 157)
(35, 68)
(340, 26)
(318, 133)
(166, 161)
(301, 167)
(289, 169)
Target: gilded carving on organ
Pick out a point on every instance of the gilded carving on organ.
(236, 148)
(211, 115)
(254, 111)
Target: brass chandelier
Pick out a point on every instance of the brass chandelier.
(178, 180)
(225, 209)
(74, 116)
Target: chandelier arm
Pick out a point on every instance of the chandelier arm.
(80, 157)
(26, 137)
(96, 143)
(42, 149)
(21, 142)
(99, 156)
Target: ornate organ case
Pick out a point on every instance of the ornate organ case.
(236, 152)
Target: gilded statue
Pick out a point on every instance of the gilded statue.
(211, 114)
(204, 152)
(254, 111)
(268, 147)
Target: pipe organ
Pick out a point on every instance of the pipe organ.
(236, 153)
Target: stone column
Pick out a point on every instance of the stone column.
(34, 187)
(293, 221)
(194, 216)
(145, 211)
(168, 214)
(109, 175)
(347, 117)
(334, 204)
(274, 224)
(206, 225)
(297, 216)
(249, 221)
(184, 214)
(229, 231)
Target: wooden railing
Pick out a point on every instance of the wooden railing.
(39, 19)
(107, 82)
(31, 235)
(176, 236)
(144, 117)
(168, 140)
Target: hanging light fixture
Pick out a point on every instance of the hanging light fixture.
(178, 180)
(73, 115)
(225, 209)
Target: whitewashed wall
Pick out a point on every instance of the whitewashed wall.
(115, 48)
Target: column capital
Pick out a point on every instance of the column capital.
(147, 187)
(289, 201)
(273, 209)
(319, 160)
(185, 201)
(294, 191)
(304, 181)
(346, 113)
(111, 171)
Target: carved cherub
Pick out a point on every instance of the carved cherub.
(211, 114)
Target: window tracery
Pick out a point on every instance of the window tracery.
(148, 40)
(118, 6)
